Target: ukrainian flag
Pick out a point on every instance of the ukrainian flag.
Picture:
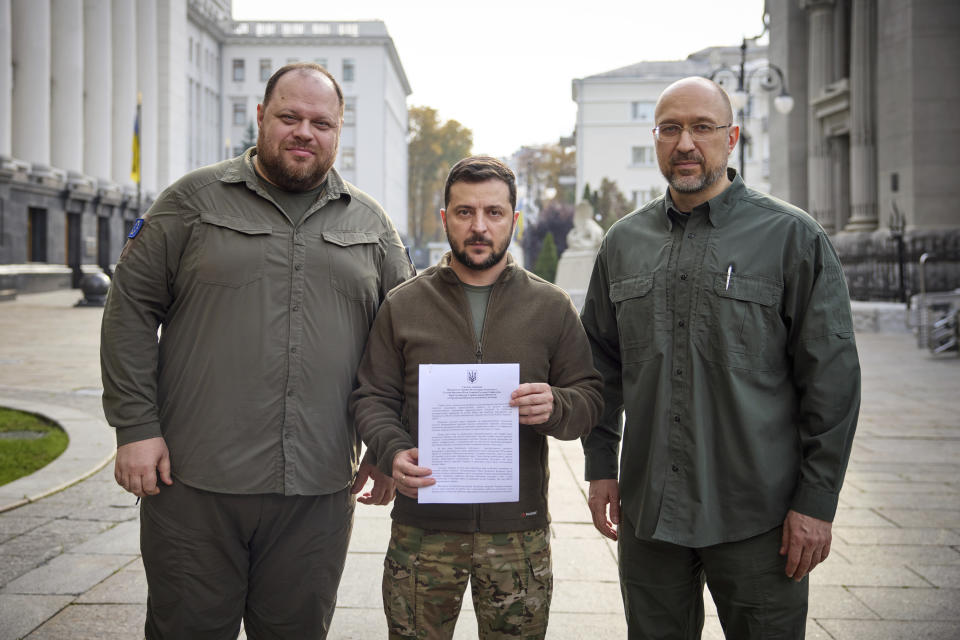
(135, 166)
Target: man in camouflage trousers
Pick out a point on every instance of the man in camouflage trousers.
(476, 305)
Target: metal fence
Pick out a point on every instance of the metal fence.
(874, 272)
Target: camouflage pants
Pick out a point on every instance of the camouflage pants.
(426, 572)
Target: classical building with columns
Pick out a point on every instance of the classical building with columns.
(871, 149)
(70, 75)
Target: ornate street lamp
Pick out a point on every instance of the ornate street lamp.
(771, 78)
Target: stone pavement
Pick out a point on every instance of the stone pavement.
(70, 565)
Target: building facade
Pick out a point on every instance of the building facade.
(71, 72)
(871, 151)
(615, 120)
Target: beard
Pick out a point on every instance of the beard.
(461, 255)
(289, 175)
(693, 184)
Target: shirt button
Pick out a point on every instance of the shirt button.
(298, 267)
(676, 418)
(290, 393)
(682, 323)
(679, 371)
(675, 468)
(293, 349)
(683, 276)
(691, 235)
(296, 307)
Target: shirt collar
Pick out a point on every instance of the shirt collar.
(717, 208)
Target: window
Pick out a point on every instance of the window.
(642, 156)
(265, 67)
(349, 110)
(642, 110)
(348, 70)
(238, 69)
(321, 61)
(239, 113)
(190, 49)
(348, 158)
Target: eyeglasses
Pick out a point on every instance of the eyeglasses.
(700, 132)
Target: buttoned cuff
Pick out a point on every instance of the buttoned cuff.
(126, 435)
(815, 503)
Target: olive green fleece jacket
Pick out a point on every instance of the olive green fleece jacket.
(427, 320)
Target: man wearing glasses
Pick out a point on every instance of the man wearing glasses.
(720, 320)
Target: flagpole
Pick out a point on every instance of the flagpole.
(136, 153)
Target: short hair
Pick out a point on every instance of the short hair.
(481, 169)
(302, 67)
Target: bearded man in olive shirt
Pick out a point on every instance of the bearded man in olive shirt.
(264, 273)
(720, 320)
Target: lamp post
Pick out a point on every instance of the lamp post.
(771, 78)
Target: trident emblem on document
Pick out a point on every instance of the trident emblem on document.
(472, 376)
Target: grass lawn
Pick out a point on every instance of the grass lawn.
(22, 456)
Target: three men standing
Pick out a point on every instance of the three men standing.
(720, 320)
(264, 273)
(476, 305)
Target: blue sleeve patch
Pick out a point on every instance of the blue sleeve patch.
(136, 228)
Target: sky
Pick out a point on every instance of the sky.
(504, 68)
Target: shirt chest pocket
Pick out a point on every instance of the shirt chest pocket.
(635, 300)
(232, 251)
(740, 322)
(353, 261)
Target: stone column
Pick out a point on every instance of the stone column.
(863, 130)
(97, 89)
(30, 37)
(6, 78)
(66, 92)
(124, 31)
(147, 85)
(172, 100)
(819, 75)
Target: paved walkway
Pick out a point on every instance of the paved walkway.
(70, 565)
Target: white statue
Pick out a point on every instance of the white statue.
(586, 234)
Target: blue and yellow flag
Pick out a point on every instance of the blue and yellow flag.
(135, 166)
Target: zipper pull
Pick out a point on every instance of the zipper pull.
(479, 352)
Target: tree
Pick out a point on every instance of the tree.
(555, 220)
(546, 266)
(548, 172)
(609, 203)
(433, 147)
(249, 137)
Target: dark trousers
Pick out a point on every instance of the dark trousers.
(662, 588)
(213, 559)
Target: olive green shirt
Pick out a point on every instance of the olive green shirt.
(478, 298)
(262, 327)
(740, 394)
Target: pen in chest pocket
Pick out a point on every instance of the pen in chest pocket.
(729, 273)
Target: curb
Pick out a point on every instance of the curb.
(92, 446)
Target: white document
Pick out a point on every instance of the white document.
(469, 435)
